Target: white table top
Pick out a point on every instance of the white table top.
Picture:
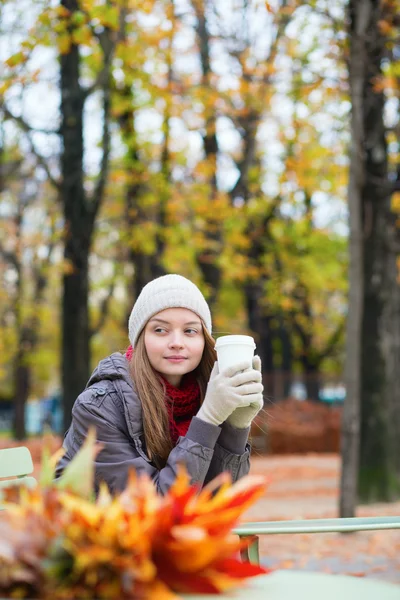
(300, 585)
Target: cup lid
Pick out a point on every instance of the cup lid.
(227, 340)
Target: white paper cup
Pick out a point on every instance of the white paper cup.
(234, 349)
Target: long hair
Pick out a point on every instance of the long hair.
(151, 392)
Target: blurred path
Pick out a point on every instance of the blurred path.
(306, 486)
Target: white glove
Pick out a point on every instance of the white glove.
(236, 387)
(242, 417)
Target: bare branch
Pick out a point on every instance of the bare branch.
(108, 39)
(99, 82)
(333, 340)
(338, 24)
(24, 125)
(106, 146)
(9, 257)
(28, 130)
(8, 169)
(43, 163)
(104, 307)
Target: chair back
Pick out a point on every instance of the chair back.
(15, 467)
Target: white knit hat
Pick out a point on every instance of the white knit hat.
(168, 291)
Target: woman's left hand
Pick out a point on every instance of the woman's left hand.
(242, 417)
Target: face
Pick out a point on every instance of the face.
(174, 342)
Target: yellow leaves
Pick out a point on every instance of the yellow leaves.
(62, 12)
(269, 7)
(121, 105)
(387, 27)
(64, 42)
(82, 36)
(107, 15)
(145, 6)
(386, 82)
(143, 237)
(395, 202)
(177, 542)
(16, 59)
(287, 303)
(67, 267)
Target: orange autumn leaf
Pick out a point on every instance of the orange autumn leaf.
(137, 545)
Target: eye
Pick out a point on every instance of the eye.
(191, 331)
(159, 330)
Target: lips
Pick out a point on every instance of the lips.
(175, 358)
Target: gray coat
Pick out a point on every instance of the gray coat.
(110, 404)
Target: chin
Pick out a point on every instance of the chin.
(178, 369)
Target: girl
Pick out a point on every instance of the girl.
(164, 402)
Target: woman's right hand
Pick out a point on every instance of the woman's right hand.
(235, 387)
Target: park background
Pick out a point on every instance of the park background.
(251, 146)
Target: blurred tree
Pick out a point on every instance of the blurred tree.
(370, 438)
(76, 30)
(26, 272)
(253, 103)
(312, 257)
(146, 191)
(97, 27)
(209, 252)
(209, 175)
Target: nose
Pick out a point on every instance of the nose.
(176, 340)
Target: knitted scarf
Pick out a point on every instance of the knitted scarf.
(182, 403)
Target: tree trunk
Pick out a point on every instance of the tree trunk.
(207, 257)
(373, 321)
(259, 320)
(75, 329)
(145, 266)
(78, 230)
(391, 346)
(377, 474)
(80, 210)
(260, 324)
(22, 378)
(375, 449)
(21, 375)
(312, 380)
(309, 357)
(287, 357)
(359, 15)
(27, 343)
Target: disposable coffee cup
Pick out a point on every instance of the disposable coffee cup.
(234, 349)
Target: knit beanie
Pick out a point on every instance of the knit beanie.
(168, 291)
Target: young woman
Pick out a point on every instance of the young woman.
(164, 402)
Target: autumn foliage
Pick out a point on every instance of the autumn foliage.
(58, 542)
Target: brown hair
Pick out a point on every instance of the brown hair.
(151, 391)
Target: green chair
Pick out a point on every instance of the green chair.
(15, 467)
(253, 530)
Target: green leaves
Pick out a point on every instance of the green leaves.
(78, 476)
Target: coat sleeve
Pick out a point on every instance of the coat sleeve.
(231, 453)
(121, 452)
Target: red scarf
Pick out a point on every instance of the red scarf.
(182, 403)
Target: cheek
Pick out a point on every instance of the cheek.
(153, 345)
(198, 347)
